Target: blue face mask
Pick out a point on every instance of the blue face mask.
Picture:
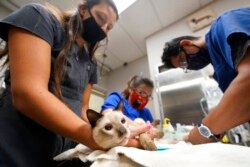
(92, 32)
(198, 60)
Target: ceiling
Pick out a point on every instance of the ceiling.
(127, 40)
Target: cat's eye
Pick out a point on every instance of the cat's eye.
(123, 121)
(108, 127)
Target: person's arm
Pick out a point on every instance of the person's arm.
(155, 122)
(30, 59)
(111, 102)
(134, 143)
(85, 100)
(107, 110)
(233, 108)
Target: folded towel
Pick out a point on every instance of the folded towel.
(205, 155)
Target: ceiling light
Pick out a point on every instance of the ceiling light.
(123, 4)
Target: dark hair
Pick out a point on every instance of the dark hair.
(135, 82)
(90, 3)
(172, 48)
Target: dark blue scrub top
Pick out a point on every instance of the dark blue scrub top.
(227, 42)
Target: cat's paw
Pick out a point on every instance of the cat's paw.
(158, 133)
(147, 143)
(150, 146)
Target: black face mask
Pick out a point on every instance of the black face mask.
(198, 60)
(92, 31)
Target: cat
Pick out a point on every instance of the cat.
(110, 130)
(144, 138)
(113, 129)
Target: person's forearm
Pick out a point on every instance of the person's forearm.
(85, 101)
(234, 107)
(107, 110)
(134, 143)
(233, 110)
(47, 110)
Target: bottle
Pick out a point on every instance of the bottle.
(181, 133)
(168, 129)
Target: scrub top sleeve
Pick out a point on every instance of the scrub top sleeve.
(149, 115)
(34, 18)
(237, 33)
(239, 43)
(112, 101)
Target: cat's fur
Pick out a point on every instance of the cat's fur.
(120, 131)
(145, 140)
(110, 129)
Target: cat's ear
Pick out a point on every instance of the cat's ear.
(93, 116)
(119, 107)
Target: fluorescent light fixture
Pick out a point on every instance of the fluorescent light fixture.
(123, 4)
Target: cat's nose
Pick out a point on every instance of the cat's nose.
(122, 131)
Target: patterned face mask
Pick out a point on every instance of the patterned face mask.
(138, 101)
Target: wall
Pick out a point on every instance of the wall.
(96, 100)
(156, 41)
(118, 78)
(4, 11)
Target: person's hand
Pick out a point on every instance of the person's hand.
(136, 130)
(134, 143)
(195, 137)
(155, 122)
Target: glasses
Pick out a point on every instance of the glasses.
(143, 94)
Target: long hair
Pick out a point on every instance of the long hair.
(3, 52)
(72, 23)
(135, 82)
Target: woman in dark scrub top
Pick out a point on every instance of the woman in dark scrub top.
(50, 77)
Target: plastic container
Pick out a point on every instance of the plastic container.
(168, 129)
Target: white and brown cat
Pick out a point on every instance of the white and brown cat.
(113, 129)
(110, 129)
